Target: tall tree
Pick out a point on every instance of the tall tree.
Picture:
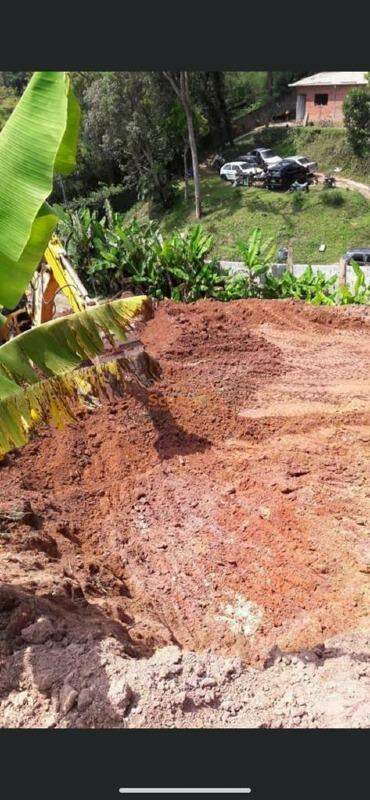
(219, 90)
(204, 96)
(180, 85)
(125, 125)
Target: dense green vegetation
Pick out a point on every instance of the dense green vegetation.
(356, 109)
(231, 213)
(249, 91)
(113, 256)
(134, 152)
(134, 140)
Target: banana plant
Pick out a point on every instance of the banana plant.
(40, 370)
(257, 256)
(360, 293)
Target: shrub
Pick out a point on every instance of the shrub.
(315, 288)
(331, 197)
(112, 257)
(97, 198)
(297, 202)
(356, 109)
(108, 254)
(257, 255)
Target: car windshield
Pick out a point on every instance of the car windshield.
(267, 154)
(303, 160)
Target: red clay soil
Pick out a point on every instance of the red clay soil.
(227, 509)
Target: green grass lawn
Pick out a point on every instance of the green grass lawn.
(231, 213)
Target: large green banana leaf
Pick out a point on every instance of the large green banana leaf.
(38, 376)
(38, 140)
(43, 371)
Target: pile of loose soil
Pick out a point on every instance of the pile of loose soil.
(198, 553)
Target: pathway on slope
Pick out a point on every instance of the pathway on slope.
(348, 183)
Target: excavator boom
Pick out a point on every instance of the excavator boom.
(63, 278)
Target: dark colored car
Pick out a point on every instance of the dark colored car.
(361, 255)
(252, 161)
(265, 158)
(282, 175)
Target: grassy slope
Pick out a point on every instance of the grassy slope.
(230, 214)
(327, 146)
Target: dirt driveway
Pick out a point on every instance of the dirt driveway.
(348, 183)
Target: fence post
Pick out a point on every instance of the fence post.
(289, 261)
(342, 276)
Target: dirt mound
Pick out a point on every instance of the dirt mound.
(225, 511)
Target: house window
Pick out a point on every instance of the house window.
(321, 99)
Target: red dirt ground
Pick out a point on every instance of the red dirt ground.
(228, 509)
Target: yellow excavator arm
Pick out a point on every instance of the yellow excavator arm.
(55, 275)
(65, 276)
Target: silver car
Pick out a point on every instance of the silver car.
(303, 161)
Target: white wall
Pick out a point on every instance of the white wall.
(298, 269)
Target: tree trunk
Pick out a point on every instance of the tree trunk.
(211, 105)
(182, 92)
(186, 182)
(218, 86)
(184, 84)
(269, 84)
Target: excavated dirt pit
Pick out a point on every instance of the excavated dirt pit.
(213, 530)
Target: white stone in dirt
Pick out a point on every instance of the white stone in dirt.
(120, 694)
(39, 631)
(167, 655)
(67, 698)
(242, 615)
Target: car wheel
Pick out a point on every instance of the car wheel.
(224, 177)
